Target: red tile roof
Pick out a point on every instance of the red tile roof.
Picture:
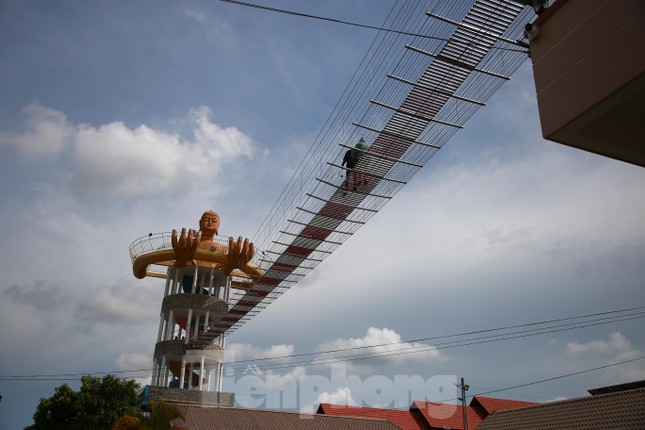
(490, 404)
(212, 418)
(623, 410)
(428, 415)
(440, 415)
(402, 419)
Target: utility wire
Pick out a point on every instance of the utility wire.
(350, 23)
(564, 324)
(425, 348)
(580, 372)
(338, 21)
(554, 378)
(512, 387)
(425, 339)
(61, 376)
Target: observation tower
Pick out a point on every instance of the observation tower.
(200, 269)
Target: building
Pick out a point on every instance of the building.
(212, 418)
(589, 68)
(201, 269)
(620, 407)
(429, 415)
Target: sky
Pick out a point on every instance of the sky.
(118, 119)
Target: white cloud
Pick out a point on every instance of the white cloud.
(383, 343)
(135, 360)
(140, 361)
(616, 343)
(342, 396)
(47, 133)
(227, 143)
(267, 390)
(115, 161)
(245, 351)
(632, 369)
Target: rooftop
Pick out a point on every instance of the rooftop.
(620, 410)
(429, 415)
(209, 418)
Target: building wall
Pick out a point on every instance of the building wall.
(589, 68)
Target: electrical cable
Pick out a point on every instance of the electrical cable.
(426, 348)
(554, 378)
(337, 21)
(526, 384)
(580, 372)
(344, 22)
(426, 339)
(553, 325)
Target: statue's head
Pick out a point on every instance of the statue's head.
(209, 223)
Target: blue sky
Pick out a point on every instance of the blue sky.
(119, 119)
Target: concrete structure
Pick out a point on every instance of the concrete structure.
(193, 297)
(589, 67)
(187, 359)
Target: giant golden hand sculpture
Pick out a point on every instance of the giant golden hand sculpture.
(239, 254)
(185, 246)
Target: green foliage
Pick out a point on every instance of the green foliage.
(160, 418)
(57, 412)
(161, 414)
(97, 405)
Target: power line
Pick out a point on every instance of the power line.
(344, 22)
(60, 376)
(426, 339)
(337, 21)
(426, 348)
(551, 326)
(566, 375)
(554, 378)
(512, 387)
(580, 372)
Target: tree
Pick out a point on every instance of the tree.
(162, 416)
(98, 404)
(57, 412)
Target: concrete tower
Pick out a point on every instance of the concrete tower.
(200, 268)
